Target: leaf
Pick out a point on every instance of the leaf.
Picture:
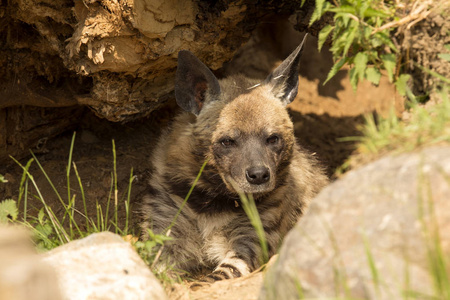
(8, 211)
(366, 32)
(344, 9)
(2, 179)
(373, 75)
(41, 216)
(343, 17)
(353, 78)
(360, 62)
(445, 56)
(389, 64)
(375, 41)
(351, 37)
(386, 40)
(323, 34)
(161, 239)
(317, 13)
(322, 7)
(447, 46)
(335, 68)
(44, 230)
(149, 245)
(362, 9)
(370, 12)
(402, 84)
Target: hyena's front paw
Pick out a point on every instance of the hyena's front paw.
(227, 270)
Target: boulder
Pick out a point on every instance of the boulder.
(102, 266)
(23, 275)
(380, 232)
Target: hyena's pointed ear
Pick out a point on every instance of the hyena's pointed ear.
(193, 82)
(284, 79)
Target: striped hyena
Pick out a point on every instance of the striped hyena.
(244, 131)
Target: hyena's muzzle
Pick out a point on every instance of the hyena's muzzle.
(249, 163)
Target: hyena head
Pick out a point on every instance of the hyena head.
(245, 131)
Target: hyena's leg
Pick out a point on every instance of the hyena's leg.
(237, 248)
(185, 250)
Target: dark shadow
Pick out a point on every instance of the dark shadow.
(316, 65)
(271, 42)
(320, 134)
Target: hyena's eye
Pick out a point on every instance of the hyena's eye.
(227, 142)
(273, 139)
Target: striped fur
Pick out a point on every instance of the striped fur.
(212, 230)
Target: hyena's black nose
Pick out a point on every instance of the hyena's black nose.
(257, 175)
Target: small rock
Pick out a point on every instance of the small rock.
(103, 266)
(23, 276)
(370, 234)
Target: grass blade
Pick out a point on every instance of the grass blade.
(60, 232)
(69, 164)
(116, 191)
(249, 206)
(50, 182)
(372, 266)
(83, 197)
(22, 181)
(127, 203)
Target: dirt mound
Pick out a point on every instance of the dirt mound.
(422, 45)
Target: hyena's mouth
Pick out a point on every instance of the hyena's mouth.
(243, 186)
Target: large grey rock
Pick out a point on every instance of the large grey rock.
(370, 234)
(22, 275)
(103, 266)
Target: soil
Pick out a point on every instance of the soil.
(321, 114)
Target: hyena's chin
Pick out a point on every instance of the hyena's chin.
(240, 187)
(260, 189)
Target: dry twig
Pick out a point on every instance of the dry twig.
(417, 14)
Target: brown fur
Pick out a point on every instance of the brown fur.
(239, 128)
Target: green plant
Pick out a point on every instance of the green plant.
(362, 36)
(3, 179)
(425, 126)
(8, 211)
(49, 230)
(150, 248)
(249, 206)
(358, 38)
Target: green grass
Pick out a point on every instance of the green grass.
(427, 125)
(249, 206)
(51, 231)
